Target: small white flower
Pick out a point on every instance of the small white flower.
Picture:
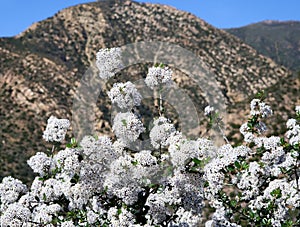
(125, 95)
(92, 217)
(293, 134)
(183, 150)
(67, 224)
(297, 109)
(249, 137)
(40, 163)
(244, 129)
(108, 61)
(15, 215)
(145, 158)
(208, 110)
(10, 190)
(254, 107)
(158, 76)
(265, 110)
(260, 108)
(127, 127)
(161, 131)
(291, 123)
(261, 127)
(56, 129)
(43, 214)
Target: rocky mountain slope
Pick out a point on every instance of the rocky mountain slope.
(279, 40)
(41, 68)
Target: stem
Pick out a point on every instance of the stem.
(52, 150)
(297, 179)
(234, 209)
(160, 151)
(52, 154)
(160, 104)
(222, 132)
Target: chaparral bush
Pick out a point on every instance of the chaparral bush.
(100, 182)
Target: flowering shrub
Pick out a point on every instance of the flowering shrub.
(100, 182)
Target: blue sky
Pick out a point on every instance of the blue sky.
(17, 15)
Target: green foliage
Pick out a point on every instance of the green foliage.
(73, 143)
(124, 122)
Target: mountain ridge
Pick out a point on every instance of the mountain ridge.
(278, 40)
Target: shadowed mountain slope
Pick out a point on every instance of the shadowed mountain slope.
(278, 40)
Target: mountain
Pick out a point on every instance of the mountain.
(41, 68)
(279, 40)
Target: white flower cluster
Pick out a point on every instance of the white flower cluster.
(297, 109)
(250, 180)
(74, 179)
(101, 182)
(214, 170)
(10, 190)
(158, 76)
(183, 150)
(127, 127)
(260, 108)
(79, 184)
(15, 215)
(161, 131)
(208, 110)
(40, 163)
(293, 133)
(265, 185)
(56, 129)
(282, 196)
(120, 217)
(98, 149)
(219, 218)
(108, 62)
(44, 214)
(125, 95)
(245, 131)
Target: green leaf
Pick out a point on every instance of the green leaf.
(276, 193)
(161, 65)
(134, 163)
(282, 141)
(152, 185)
(288, 224)
(124, 122)
(196, 161)
(261, 95)
(233, 203)
(73, 141)
(245, 165)
(266, 221)
(119, 211)
(230, 168)
(72, 144)
(237, 165)
(206, 184)
(251, 214)
(75, 179)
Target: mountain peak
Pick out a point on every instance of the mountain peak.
(279, 22)
(270, 22)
